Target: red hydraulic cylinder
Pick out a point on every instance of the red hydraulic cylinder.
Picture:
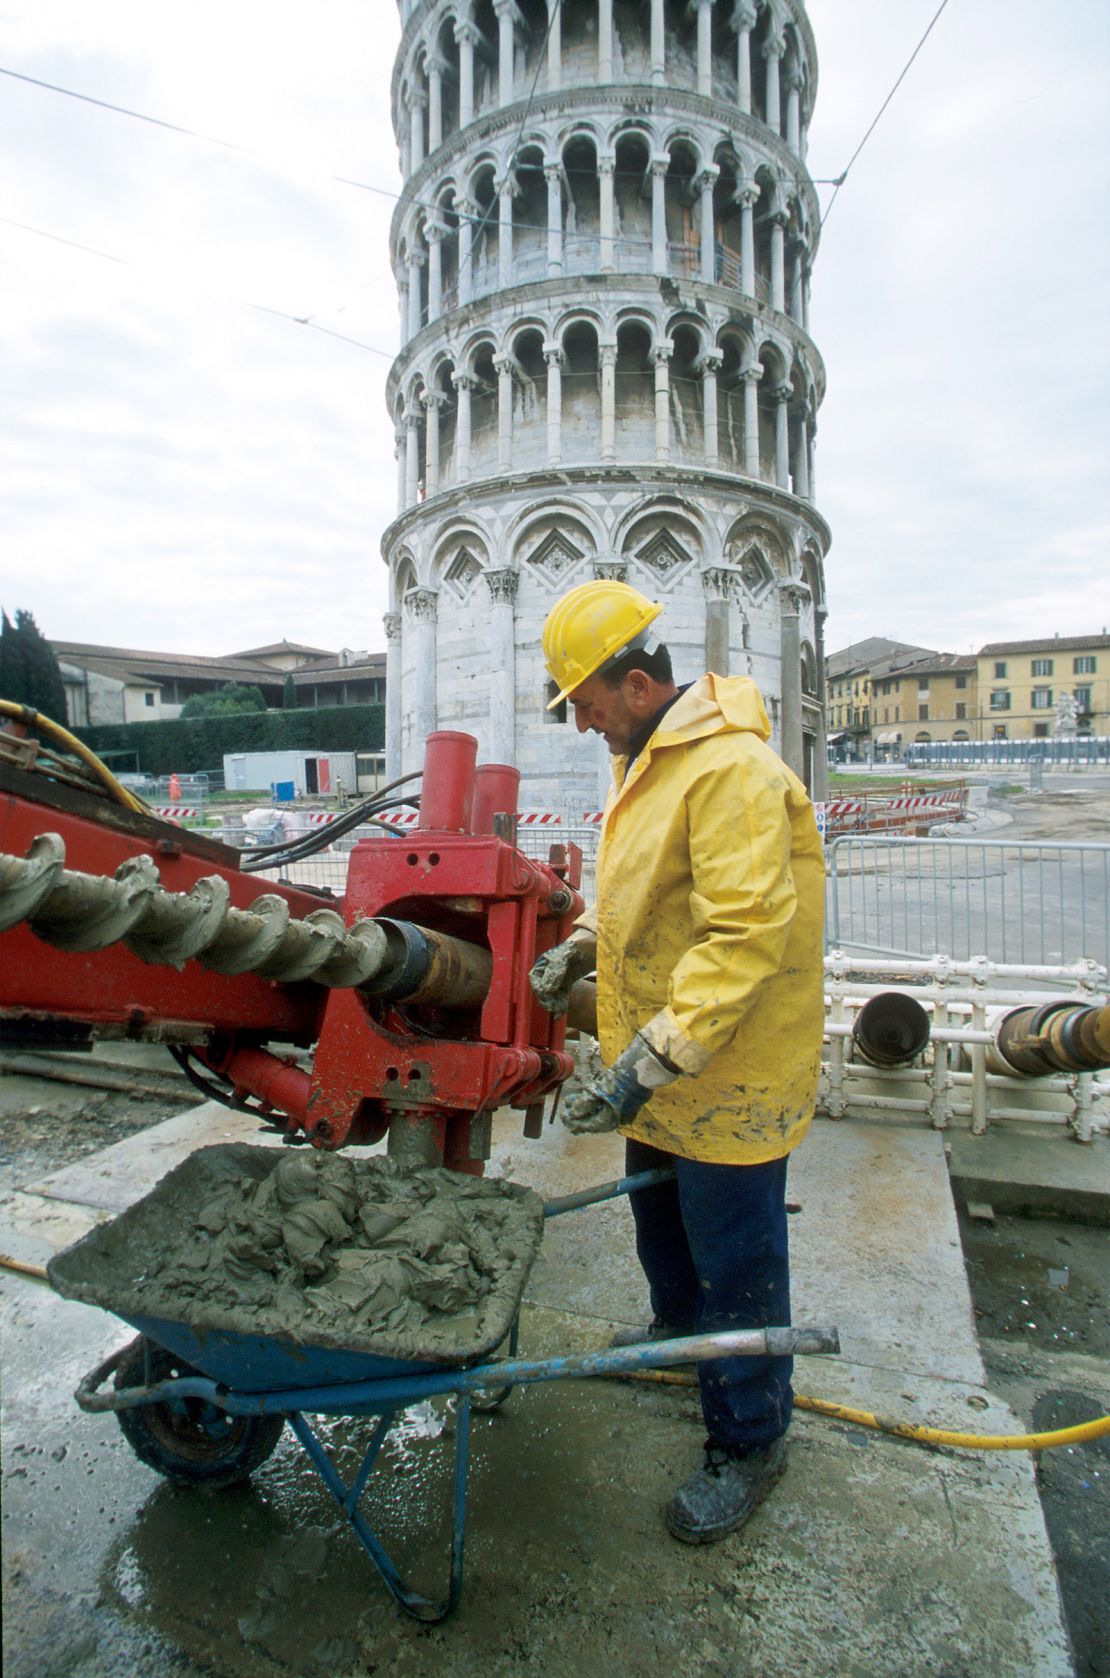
(447, 789)
(496, 791)
(273, 1080)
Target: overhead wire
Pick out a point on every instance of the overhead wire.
(839, 180)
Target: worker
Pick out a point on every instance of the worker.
(707, 943)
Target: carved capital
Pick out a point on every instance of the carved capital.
(508, 186)
(422, 602)
(606, 164)
(435, 65)
(774, 46)
(412, 419)
(434, 231)
(504, 364)
(417, 97)
(417, 257)
(707, 178)
(611, 570)
(392, 621)
(553, 172)
(659, 165)
(793, 75)
(503, 585)
(710, 363)
(720, 582)
(744, 17)
(747, 195)
(465, 381)
(467, 32)
(794, 596)
(554, 355)
(607, 354)
(752, 374)
(782, 393)
(434, 401)
(662, 353)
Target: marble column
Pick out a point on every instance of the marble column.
(420, 604)
(466, 35)
(659, 167)
(800, 465)
(392, 621)
(436, 67)
(747, 197)
(705, 48)
(797, 282)
(772, 54)
(503, 365)
(778, 264)
(709, 365)
(553, 174)
(661, 359)
(506, 13)
(605, 42)
(555, 46)
(502, 669)
(399, 453)
(556, 360)
(412, 458)
(705, 183)
(791, 597)
(782, 395)
(821, 756)
(658, 48)
(506, 192)
(434, 234)
(433, 401)
(717, 583)
(751, 377)
(464, 383)
(605, 168)
(793, 107)
(743, 21)
(465, 212)
(417, 100)
(416, 302)
(608, 355)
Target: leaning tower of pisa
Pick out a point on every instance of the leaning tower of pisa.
(603, 259)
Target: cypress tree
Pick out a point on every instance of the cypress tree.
(289, 692)
(30, 672)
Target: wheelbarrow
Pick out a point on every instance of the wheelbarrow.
(205, 1404)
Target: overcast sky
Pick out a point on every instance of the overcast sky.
(179, 470)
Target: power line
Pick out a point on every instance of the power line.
(241, 302)
(839, 180)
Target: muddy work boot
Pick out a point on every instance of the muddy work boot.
(657, 1329)
(723, 1493)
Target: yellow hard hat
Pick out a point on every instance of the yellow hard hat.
(590, 627)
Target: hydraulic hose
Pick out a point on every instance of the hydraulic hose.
(27, 715)
(1097, 1428)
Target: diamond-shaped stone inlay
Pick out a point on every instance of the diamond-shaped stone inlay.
(755, 572)
(555, 555)
(662, 554)
(462, 573)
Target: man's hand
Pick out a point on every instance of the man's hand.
(558, 969)
(618, 1093)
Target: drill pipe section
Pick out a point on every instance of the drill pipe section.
(83, 912)
(1036, 1041)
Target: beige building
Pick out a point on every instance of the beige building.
(1024, 686)
(917, 700)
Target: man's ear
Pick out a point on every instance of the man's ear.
(640, 691)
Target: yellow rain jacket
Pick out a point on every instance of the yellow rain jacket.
(710, 902)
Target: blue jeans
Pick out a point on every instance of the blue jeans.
(713, 1246)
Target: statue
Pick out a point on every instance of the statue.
(1067, 710)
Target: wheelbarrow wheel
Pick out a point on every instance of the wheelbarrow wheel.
(191, 1442)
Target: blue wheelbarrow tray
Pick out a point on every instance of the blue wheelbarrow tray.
(108, 1268)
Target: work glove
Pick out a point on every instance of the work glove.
(557, 970)
(617, 1094)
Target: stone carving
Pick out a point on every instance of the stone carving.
(611, 570)
(662, 554)
(503, 585)
(422, 602)
(721, 582)
(755, 572)
(463, 572)
(555, 555)
(392, 621)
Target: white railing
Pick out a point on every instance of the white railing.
(951, 1082)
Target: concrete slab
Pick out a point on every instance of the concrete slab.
(874, 1556)
(1016, 1169)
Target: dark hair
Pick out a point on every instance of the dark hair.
(656, 664)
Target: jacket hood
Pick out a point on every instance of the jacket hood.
(715, 705)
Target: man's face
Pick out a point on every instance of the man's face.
(601, 709)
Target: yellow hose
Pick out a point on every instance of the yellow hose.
(1094, 1429)
(35, 719)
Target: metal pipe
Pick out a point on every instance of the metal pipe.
(422, 965)
(1052, 1037)
(891, 1029)
(447, 790)
(496, 792)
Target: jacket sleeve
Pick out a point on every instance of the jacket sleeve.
(742, 901)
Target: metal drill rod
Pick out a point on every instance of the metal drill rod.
(82, 912)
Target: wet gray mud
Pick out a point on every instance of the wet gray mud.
(317, 1249)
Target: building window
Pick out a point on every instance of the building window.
(961, 681)
(1042, 699)
(999, 731)
(1000, 701)
(1042, 667)
(898, 713)
(1085, 665)
(1083, 700)
(961, 710)
(1040, 731)
(923, 684)
(999, 670)
(148, 699)
(923, 713)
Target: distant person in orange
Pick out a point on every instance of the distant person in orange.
(175, 789)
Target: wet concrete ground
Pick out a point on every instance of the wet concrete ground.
(872, 1557)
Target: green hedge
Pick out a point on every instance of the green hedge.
(165, 748)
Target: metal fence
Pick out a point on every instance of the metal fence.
(1077, 750)
(1003, 899)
